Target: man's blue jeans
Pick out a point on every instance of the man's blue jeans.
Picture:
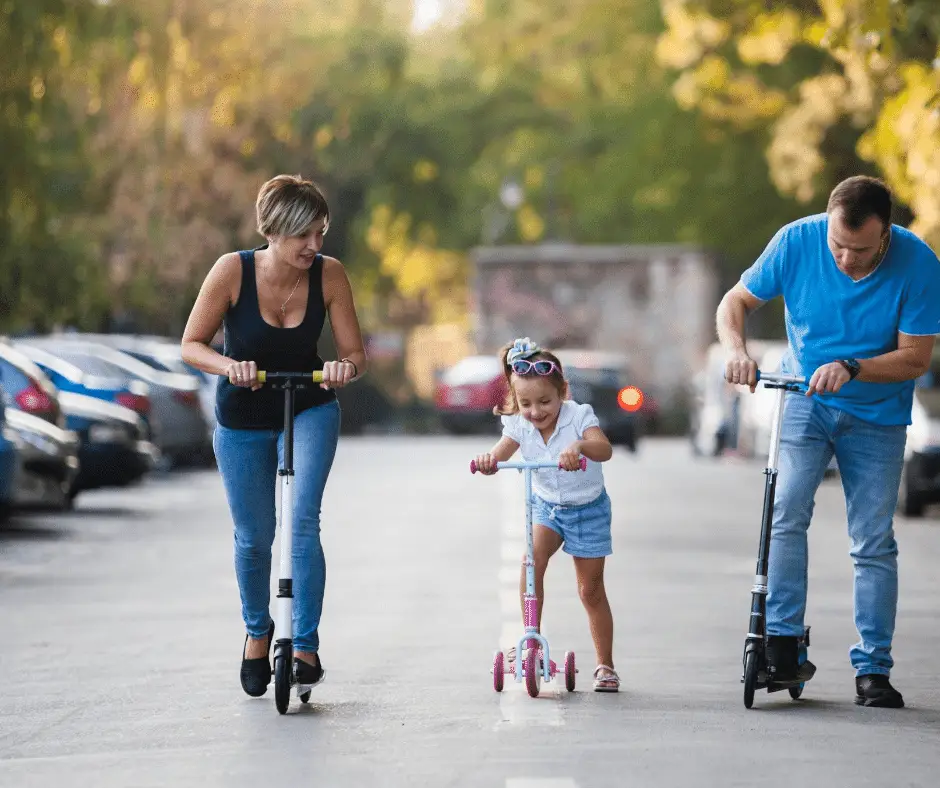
(870, 458)
(248, 461)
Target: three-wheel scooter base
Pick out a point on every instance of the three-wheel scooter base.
(535, 667)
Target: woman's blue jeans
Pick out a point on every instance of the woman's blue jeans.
(248, 461)
(870, 458)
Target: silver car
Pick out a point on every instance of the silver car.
(163, 353)
(179, 427)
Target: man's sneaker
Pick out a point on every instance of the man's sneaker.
(783, 661)
(874, 689)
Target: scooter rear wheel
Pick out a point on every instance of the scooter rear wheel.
(795, 692)
(750, 678)
(281, 683)
(305, 697)
(498, 671)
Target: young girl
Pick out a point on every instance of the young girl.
(570, 509)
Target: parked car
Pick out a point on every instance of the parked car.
(179, 429)
(597, 378)
(757, 410)
(113, 449)
(715, 417)
(27, 387)
(10, 447)
(49, 462)
(65, 376)
(920, 480)
(164, 354)
(467, 392)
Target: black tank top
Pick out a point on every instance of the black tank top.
(249, 338)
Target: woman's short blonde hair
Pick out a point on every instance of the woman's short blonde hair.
(288, 205)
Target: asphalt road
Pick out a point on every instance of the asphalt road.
(122, 640)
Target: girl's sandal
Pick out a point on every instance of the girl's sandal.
(606, 679)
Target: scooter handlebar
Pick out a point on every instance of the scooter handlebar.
(294, 377)
(502, 466)
(779, 377)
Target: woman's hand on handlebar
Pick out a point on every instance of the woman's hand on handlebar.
(486, 464)
(337, 374)
(243, 374)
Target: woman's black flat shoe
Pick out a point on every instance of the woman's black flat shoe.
(256, 673)
(307, 674)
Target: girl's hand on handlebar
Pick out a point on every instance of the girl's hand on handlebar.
(243, 374)
(570, 458)
(486, 464)
(337, 374)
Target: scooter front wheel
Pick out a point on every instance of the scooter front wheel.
(795, 692)
(533, 676)
(282, 677)
(750, 678)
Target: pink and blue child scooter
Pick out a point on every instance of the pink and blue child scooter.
(537, 665)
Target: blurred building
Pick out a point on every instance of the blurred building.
(654, 303)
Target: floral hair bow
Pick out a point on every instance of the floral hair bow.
(522, 348)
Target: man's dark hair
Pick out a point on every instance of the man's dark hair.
(861, 197)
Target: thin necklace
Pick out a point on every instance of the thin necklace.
(284, 305)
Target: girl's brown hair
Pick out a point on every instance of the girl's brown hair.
(556, 377)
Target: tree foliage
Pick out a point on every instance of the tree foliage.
(843, 85)
(138, 133)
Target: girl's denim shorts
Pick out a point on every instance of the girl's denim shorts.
(585, 529)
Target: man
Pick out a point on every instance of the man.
(862, 300)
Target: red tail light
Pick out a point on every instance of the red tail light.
(136, 402)
(188, 398)
(34, 400)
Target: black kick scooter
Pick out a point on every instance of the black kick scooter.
(756, 675)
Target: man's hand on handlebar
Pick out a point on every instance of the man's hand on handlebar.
(741, 369)
(828, 379)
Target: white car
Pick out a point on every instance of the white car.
(757, 410)
(920, 481)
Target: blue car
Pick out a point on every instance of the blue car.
(66, 376)
(9, 462)
(113, 450)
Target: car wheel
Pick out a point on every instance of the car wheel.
(911, 503)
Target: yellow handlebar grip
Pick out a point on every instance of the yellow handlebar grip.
(318, 376)
(262, 376)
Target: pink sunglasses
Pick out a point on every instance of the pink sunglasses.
(541, 367)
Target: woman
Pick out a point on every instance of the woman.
(271, 303)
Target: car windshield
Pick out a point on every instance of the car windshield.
(593, 376)
(92, 365)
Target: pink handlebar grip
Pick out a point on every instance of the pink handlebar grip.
(582, 463)
(473, 466)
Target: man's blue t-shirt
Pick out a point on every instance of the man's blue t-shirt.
(829, 316)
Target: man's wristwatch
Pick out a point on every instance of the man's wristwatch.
(851, 366)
